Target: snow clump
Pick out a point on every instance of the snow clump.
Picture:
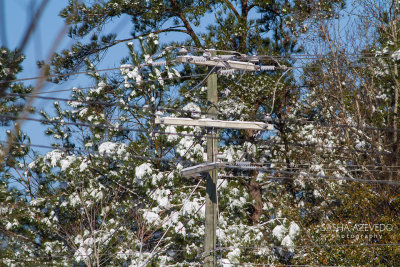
(53, 157)
(141, 171)
(65, 163)
(110, 148)
(279, 232)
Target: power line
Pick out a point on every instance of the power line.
(90, 102)
(66, 149)
(51, 92)
(91, 87)
(165, 180)
(277, 121)
(122, 67)
(322, 164)
(329, 125)
(91, 71)
(352, 167)
(317, 176)
(276, 178)
(166, 231)
(259, 141)
(323, 56)
(315, 246)
(277, 265)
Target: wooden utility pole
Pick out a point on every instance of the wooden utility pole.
(211, 183)
(209, 169)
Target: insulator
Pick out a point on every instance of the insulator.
(267, 67)
(246, 165)
(253, 59)
(226, 57)
(227, 72)
(221, 156)
(159, 63)
(198, 59)
(183, 50)
(196, 114)
(267, 118)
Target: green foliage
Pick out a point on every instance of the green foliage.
(110, 192)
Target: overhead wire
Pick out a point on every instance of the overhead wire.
(319, 176)
(123, 67)
(271, 169)
(92, 87)
(304, 177)
(164, 180)
(82, 151)
(166, 231)
(315, 246)
(108, 104)
(277, 265)
(92, 71)
(258, 141)
(273, 120)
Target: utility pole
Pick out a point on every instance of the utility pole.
(212, 176)
(209, 169)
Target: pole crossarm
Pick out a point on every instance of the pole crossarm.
(246, 125)
(206, 167)
(229, 64)
(201, 168)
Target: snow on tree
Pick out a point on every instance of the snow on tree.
(110, 192)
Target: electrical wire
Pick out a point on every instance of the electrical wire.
(166, 231)
(164, 180)
(107, 126)
(92, 87)
(277, 265)
(122, 67)
(86, 72)
(278, 178)
(67, 149)
(258, 166)
(259, 141)
(276, 121)
(316, 246)
(319, 176)
(107, 104)
(275, 88)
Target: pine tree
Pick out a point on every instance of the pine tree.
(110, 192)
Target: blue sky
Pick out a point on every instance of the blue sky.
(18, 14)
